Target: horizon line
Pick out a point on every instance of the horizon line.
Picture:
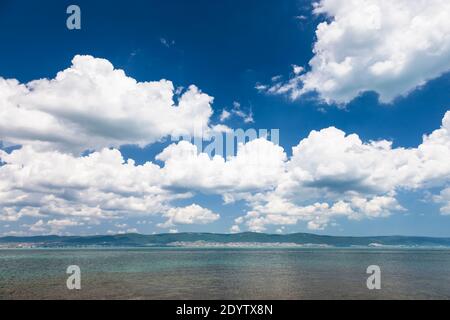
(226, 234)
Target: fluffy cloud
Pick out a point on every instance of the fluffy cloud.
(52, 226)
(237, 111)
(444, 198)
(91, 105)
(225, 115)
(103, 186)
(391, 47)
(342, 163)
(235, 229)
(273, 208)
(257, 165)
(92, 188)
(193, 214)
(70, 191)
(330, 175)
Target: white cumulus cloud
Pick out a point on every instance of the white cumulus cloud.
(193, 214)
(91, 105)
(390, 47)
(330, 175)
(258, 164)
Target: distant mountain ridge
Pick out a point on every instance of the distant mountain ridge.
(139, 240)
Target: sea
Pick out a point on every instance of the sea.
(228, 273)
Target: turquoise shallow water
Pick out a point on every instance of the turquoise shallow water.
(224, 273)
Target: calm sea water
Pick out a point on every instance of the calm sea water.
(224, 273)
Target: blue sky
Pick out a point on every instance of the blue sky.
(225, 48)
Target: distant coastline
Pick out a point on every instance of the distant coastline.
(213, 240)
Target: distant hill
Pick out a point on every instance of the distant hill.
(139, 240)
